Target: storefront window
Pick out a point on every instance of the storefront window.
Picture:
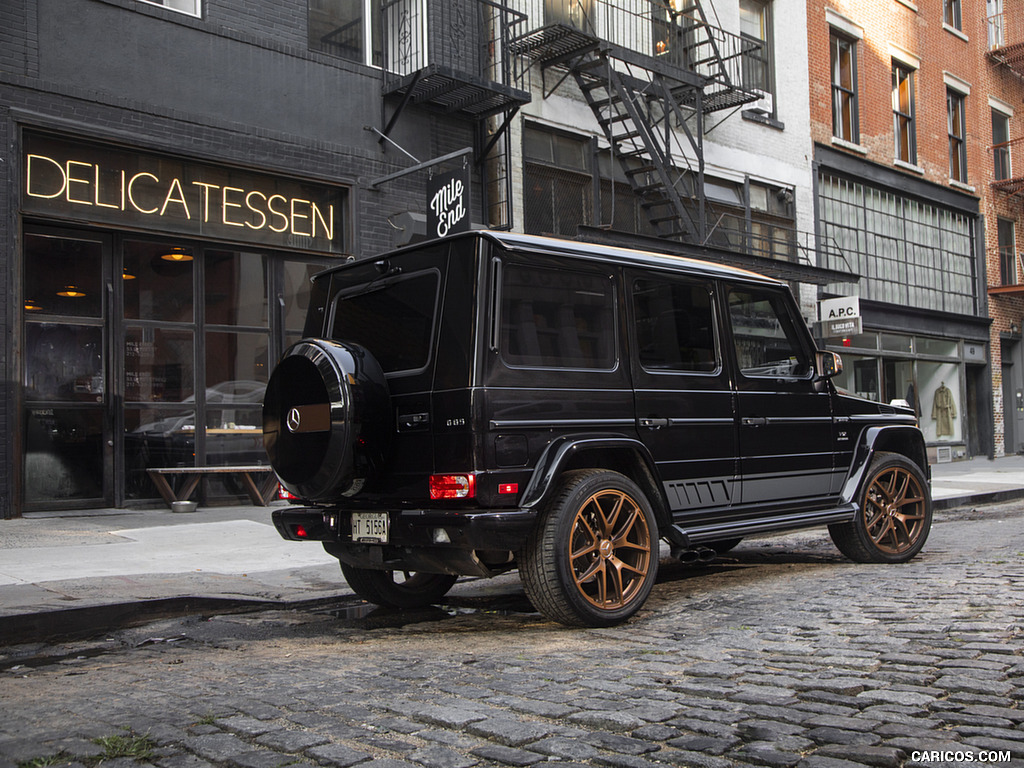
(859, 376)
(159, 366)
(63, 455)
(63, 276)
(892, 342)
(927, 345)
(236, 288)
(157, 279)
(941, 404)
(63, 362)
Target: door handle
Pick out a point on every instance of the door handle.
(754, 421)
(653, 423)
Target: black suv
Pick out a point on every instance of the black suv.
(496, 401)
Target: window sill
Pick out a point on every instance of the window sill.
(955, 32)
(908, 166)
(844, 144)
(961, 186)
(762, 119)
(909, 5)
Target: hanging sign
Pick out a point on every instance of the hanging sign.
(840, 317)
(448, 202)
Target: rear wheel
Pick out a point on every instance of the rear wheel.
(398, 589)
(593, 557)
(895, 514)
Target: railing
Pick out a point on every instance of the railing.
(683, 39)
(996, 31)
(469, 37)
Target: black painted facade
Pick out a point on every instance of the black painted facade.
(237, 90)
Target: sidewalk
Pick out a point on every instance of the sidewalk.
(61, 571)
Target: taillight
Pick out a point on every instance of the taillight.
(452, 487)
(284, 495)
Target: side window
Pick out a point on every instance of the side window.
(767, 341)
(675, 326)
(553, 318)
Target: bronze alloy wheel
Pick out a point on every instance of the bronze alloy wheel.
(592, 558)
(895, 510)
(610, 549)
(895, 513)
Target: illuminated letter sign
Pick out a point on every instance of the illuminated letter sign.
(112, 186)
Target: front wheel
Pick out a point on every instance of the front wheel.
(592, 559)
(895, 514)
(398, 589)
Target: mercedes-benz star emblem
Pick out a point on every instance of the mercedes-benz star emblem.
(294, 420)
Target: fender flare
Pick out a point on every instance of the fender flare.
(875, 439)
(561, 452)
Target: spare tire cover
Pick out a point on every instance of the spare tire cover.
(327, 419)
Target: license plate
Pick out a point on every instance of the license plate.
(370, 527)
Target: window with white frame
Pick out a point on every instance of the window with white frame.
(191, 7)
(951, 14)
(845, 117)
(349, 29)
(956, 120)
(903, 113)
(1007, 252)
(1001, 169)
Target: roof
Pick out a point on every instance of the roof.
(576, 249)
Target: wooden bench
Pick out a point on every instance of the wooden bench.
(261, 494)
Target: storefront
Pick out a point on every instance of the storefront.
(156, 292)
(937, 377)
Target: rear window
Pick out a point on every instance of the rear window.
(395, 321)
(554, 318)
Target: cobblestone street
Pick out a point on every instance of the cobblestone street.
(780, 654)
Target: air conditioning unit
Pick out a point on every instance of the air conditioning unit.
(943, 454)
(764, 103)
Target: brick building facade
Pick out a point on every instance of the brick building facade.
(901, 125)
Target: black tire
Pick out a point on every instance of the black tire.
(592, 558)
(725, 545)
(895, 513)
(397, 589)
(327, 419)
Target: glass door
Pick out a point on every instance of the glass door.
(66, 414)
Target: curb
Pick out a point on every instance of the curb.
(79, 623)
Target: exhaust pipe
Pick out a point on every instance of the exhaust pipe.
(694, 556)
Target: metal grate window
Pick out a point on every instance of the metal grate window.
(907, 251)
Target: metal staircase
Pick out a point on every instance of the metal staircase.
(649, 97)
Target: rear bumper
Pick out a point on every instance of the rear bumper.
(505, 529)
(478, 543)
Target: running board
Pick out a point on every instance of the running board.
(743, 528)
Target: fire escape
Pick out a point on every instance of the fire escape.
(650, 70)
(1006, 49)
(452, 57)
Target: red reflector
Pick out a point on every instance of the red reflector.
(508, 488)
(452, 486)
(301, 532)
(284, 495)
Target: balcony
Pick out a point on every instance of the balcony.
(1005, 180)
(453, 56)
(1006, 42)
(672, 38)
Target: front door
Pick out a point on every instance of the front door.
(67, 429)
(684, 404)
(785, 417)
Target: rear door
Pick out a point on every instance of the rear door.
(684, 404)
(785, 416)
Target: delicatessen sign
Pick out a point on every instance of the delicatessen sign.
(111, 185)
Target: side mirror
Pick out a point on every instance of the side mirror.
(829, 364)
